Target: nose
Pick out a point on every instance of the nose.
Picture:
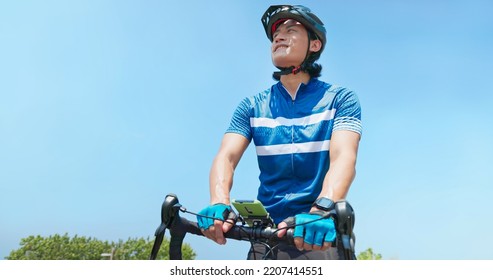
(279, 36)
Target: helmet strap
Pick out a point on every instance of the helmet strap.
(295, 69)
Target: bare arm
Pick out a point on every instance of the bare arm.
(221, 175)
(343, 151)
(221, 179)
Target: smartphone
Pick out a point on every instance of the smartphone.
(252, 212)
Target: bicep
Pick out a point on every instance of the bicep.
(233, 146)
(344, 143)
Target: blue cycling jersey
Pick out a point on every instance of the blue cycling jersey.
(292, 139)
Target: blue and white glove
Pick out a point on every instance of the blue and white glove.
(316, 232)
(218, 211)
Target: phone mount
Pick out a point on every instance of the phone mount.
(260, 221)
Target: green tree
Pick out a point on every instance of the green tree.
(64, 247)
(368, 254)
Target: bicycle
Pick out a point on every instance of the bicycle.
(178, 227)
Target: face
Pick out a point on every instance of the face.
(290, 43)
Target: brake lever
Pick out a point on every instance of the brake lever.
(169, 211)
(345, 224)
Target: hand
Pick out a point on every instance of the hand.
(312, 231)
(215, 228)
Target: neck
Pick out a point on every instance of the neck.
(292, 81)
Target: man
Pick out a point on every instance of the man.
(306, 134)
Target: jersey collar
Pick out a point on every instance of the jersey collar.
(303, 89)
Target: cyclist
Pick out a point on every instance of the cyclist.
(306, 134)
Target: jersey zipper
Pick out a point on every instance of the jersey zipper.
(293, 99)
(292, 140)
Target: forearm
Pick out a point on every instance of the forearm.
(339, 178)
(223, 167)
(221, 180)
(342, 169)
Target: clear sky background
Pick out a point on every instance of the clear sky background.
(107, 106)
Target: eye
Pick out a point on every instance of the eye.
(292, 30)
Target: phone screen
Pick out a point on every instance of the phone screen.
(252, 211)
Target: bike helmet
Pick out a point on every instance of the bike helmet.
(277, 14)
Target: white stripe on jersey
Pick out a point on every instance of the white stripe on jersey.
(292, 148)
(281, 121)
(347, 123)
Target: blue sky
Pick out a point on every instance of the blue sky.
(107, 106)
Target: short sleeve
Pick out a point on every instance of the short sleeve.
(240, 122)
(348, 112)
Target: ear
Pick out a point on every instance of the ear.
(315, 45)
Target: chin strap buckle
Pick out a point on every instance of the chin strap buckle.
(296, 70)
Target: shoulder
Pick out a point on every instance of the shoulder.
(337, 89)
(341, 94)
(260, 98)
(330, 89)
(263, 95)
(250, 103)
